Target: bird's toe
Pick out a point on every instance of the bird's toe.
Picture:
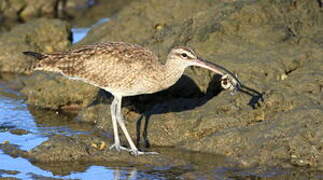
(138, 153)
(118, 148)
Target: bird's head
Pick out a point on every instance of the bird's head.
(187, 57)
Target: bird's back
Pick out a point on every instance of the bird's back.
(114, 66)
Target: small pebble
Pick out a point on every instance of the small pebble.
(102, 146)
(283, 77)
(94, 145)
(159, 26)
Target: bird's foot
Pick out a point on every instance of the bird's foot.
(136, 152)
(118, 147)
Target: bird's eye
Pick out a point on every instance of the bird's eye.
(184, 55)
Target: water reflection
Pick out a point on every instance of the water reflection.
(26, 170)
(14, 114)
(107, 173)
(23, 166)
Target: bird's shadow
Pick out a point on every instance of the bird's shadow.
(171, 101)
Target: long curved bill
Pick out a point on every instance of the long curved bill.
(217, 69)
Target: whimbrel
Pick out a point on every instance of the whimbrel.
(125, 69)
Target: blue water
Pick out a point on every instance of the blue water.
(80, 33)
(29, 171)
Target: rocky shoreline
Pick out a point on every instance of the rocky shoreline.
(275, 47)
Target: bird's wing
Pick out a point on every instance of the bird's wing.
(112, 64)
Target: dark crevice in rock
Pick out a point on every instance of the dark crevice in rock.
(291, 32)
(19, 18)
(290, 71)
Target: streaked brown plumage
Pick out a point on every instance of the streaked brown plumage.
(122, 69)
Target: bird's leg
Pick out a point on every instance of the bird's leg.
(116, 144)
(134, 150)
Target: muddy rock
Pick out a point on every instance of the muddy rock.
(85, 12)
(98, 115)
(63, 155)
(153, 16)
(11, 172)
(23, 10)
(85, 148)
(278, 133)
(19, 132)
(281, 140)
(80, 12)
(56, 92)
(219, 31)
(276, 49)
(42, 35)
(187, 165)
(38, 8)
(9, 9)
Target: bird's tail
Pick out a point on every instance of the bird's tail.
(34, 54)
(35, 65)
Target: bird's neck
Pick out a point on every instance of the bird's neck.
(173, 70)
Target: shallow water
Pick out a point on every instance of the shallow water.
(80, 33)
